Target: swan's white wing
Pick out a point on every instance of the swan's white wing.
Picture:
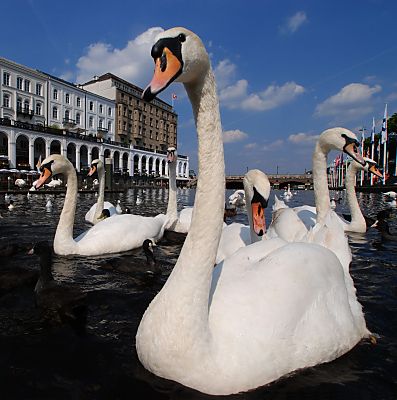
(120, 233)
(234, 236)
(89, 216)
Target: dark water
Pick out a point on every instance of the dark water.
(41, 361)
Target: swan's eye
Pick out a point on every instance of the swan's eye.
(181, 37)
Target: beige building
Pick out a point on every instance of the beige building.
(147, 126)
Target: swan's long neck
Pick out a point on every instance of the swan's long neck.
(184, 298)
(254, 237)
(101, 193)
(172, 212)
(64, 232)
(320, 183)
(357, 218)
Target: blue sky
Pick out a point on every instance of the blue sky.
(286, 70)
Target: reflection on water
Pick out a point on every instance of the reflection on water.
(54, 363)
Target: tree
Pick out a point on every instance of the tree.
(392, 123)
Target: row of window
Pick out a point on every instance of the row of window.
(22, 84)
(22, 105)
(55, 96)
(55, 115)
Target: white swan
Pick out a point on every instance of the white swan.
(178, 221)
(54, 183)
(20, 182)
(237, 198)
(292, 224)
(119, 210)
(94, 214)
(248, 321)
(113, 235)
(237, 235)
(391, 194)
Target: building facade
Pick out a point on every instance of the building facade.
(151, 126)
(41, 115)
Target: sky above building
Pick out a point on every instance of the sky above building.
(285, 70)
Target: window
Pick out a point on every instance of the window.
(78, 118)
(55, 94)
(26, 105)
(91, 106)
(109, 126)
(19, 83)
(6, 78)
(91, 122)
(27, 85)
(67, 114)
(6, 101)
(38, 89)
(78, 102)
(38, 108)
(100, 123)
(110, 111)
(100, 108)
(19, 104)
(67, 98)
(54, 113)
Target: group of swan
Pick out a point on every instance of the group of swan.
(112, 235)
(270, 308)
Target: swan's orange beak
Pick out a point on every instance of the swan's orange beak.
(352, 150)
(167, 69)
(45, 174)
(374, 170)
(258, 218)
(92, 170)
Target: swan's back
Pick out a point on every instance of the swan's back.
(120, 233)
(302, 313)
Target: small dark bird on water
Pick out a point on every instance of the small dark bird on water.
(383, 227)
(59, 303)
(370, 221)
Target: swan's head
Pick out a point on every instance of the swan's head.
(104, 214)
(372, 167)
(257, 192)
(179, 55)
(95, 165)
(341, 139)
(171, 155)
(53, 165)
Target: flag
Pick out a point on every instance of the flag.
(373, 131)
(384, 127)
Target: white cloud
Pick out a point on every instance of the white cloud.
(272, 97)
(232, 95)
(250, 146)
(352, 101)
(294, 23)
(233, 136)
(235, 94)
(132, 63)
(304, 138)
(274, 145)
(224, 73)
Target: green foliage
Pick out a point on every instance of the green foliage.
(392, 123)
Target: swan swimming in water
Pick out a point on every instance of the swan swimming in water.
(94, 214)
(248, 321)
(119, 233)
(292, 224)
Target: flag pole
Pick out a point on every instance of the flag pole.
(362, 130)
(373, 146)
(384, 142)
